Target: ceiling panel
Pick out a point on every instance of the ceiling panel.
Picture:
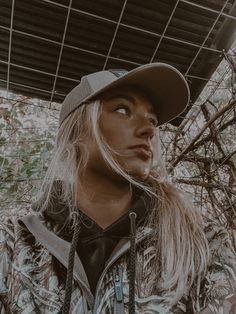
(40, 18)
(76, 63)
(5, 12)
(104, 8)
(25, 51)
(46, 46)
(89, 33)
(134, 45)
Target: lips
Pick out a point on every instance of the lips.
(142, 150)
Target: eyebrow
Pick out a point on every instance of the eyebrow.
(127, 97)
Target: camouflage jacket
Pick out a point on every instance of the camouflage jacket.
(29, 282)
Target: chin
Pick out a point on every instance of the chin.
(137, 171)
(140, 175)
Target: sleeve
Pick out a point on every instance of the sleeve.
(216, 292)
(6, 245)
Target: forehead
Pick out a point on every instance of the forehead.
(133, 94)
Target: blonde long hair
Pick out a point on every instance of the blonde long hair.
(181, 247)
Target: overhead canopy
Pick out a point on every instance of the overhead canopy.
(46, 46)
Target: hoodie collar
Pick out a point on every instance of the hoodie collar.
(57, 213)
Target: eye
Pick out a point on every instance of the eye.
(123, 110)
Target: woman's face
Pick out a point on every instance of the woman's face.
(128, 124)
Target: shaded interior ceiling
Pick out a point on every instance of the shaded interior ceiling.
(46, 46)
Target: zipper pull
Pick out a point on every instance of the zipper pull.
(118, 287)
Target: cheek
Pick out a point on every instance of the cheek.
(114, 135)
(114, 142)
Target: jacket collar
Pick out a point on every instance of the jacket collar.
(57, 213)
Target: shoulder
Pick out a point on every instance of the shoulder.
(9, 233)
(10, 226)
(219, 281)
(221, 245)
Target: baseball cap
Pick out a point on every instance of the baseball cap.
(165, 86)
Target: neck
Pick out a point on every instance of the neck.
(103, 199)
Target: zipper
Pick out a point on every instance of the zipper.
(118, 289)
(114, 258)
(117, 280)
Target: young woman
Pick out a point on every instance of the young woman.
(110, 233)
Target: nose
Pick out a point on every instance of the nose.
(145, 128)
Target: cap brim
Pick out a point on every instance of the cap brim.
(164, 85)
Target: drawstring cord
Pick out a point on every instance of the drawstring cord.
(132, 217)
(69, 276)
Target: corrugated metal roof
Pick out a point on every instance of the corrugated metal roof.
(46, 46)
